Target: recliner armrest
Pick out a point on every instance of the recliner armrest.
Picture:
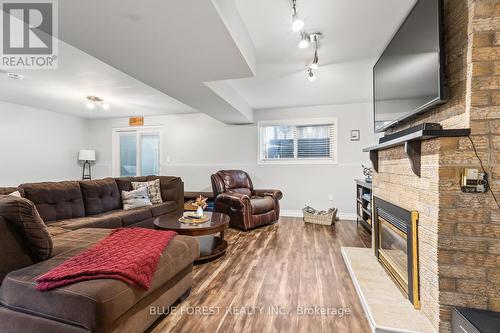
(276, 194)
(233, 199)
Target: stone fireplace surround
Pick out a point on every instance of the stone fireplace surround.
(458, 233)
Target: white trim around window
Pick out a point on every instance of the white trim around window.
(138, 131)
(310, 138)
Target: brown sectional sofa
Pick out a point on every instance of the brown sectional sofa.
(105, 305)
(74, 205)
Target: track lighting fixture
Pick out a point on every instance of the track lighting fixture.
(314, 37)
(315, 62)
(297, 23)
(305, 39)
(304, 42)
(311, 76)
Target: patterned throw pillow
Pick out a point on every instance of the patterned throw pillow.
(136, 198)
(153, 187)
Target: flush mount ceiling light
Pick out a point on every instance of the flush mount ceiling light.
(304, 40)
(93, 101)
(14, 76)
(297, 23)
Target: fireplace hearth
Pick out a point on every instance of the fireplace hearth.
(396, 246)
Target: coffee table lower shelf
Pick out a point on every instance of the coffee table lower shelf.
(210, 235)
(211, 248)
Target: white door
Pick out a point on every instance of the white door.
(136, 152)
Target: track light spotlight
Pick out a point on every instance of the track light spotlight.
(297, 23)
(311, 76)
(304, 42)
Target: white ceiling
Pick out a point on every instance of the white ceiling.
(221, 57)
(355, 33)
(80, 75)
(173, 46)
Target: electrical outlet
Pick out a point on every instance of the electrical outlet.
(330, 197)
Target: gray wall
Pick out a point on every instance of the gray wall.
(195, 146)
(38, 145)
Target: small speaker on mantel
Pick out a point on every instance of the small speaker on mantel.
(136, 121)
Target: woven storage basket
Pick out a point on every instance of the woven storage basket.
(326, 219)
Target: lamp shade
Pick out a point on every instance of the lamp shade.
(86, 155)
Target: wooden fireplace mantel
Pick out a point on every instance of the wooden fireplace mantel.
(413, 145)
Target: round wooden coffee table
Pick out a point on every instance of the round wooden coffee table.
(211, 246)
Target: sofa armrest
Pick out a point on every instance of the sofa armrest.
(276, 194)
(15, 250)
(172, 189)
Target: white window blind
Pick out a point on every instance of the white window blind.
(298, 141)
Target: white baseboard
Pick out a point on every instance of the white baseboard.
(298, 213)
(291, 213)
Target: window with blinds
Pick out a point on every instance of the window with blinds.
(298, 141)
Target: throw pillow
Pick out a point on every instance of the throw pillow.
(16, 194)
(136, 198)
(24, 215)
(154, 190)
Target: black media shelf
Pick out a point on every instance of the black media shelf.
(363, 206)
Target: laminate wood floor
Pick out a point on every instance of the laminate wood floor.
(270, 278)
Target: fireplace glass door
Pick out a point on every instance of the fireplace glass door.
(393, 250)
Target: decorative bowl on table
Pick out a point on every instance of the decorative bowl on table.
(193, 218)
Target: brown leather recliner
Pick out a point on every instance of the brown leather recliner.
(248, 208)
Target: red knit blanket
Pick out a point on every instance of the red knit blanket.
(130, 255)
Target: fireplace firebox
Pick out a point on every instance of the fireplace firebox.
(396, 246)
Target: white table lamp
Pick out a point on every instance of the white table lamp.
(86, 156)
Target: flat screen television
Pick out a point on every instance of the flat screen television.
(408, 78)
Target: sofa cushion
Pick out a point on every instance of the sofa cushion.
(23, 214)
(69, 240)
(100, 196)
(134, 216)
(56, 200)
(262, 204)
(105, 220)
(125, 183)
(94, 304)
(163, 208)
